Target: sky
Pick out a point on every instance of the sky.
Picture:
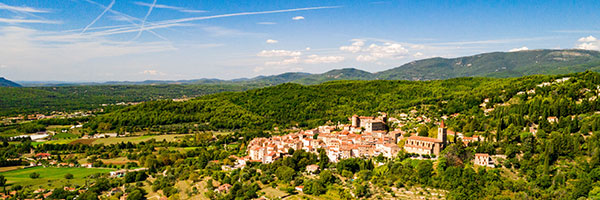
(134, 40)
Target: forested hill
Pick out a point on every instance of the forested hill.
(497, 64)
(7, 83)
(290, 104)
(28, 100)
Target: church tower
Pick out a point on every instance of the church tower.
(442, 133)
(355, 121)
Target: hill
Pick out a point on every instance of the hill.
(7, 83)
(293, 104)
(27, 100)
(497, 64)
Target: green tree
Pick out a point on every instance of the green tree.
(3, 183)
(285, 173)
(34, 175)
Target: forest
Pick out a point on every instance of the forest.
(31, 100)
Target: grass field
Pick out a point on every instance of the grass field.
(50, 176)
(65, 136)
(5, 169)
(137, 139)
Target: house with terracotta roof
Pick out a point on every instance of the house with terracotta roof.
(483, 159)
(42, 156)
(223, 188)
(312, 168)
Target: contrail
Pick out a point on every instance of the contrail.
(144, 21)
(99, 16)
(244, 13)
(175, 22)
(128, 18)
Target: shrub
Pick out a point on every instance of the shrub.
(34, 175)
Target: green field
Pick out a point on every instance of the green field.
(65, 136)
(137, 139)
(50, 176)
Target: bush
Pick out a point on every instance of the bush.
(69, 176)
(34, 175)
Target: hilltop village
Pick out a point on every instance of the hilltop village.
(365, 137)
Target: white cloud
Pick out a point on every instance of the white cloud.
(588, 43)
(298, 18)
(354, 47)
(288, 61)
(278, 53)
(153, 73)
(588, 46)
(180, 9)
(524, 48)
(587, 39)
(418, 54)
(271, 41)
(387, 50)
(315, 59)
(24, 9)
(28, 21)
(266, 23)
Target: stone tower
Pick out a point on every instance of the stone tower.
(442, 133)
(355, 121)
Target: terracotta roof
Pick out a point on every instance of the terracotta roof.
(482, 154)
(417, 146)
(427, 139)
(42, 155)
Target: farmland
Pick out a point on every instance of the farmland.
(50, 176)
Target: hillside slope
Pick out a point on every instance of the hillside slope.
(497, 64)
(293, 104)
(7, 83)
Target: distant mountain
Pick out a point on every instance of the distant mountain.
(496, 64)
(6, 83)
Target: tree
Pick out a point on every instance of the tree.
(424, 169)
(285, 173)
(423, 131)
(3, 183)
(323, 159)
(69, 176)
(34, 175)
(136, 194)
(88, 195)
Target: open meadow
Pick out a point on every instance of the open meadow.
(50, 177)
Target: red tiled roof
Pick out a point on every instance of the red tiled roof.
(417, 146)
(427, 139)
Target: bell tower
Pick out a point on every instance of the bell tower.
(442, 133)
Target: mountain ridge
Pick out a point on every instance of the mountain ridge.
(7, 83)
(492, 64)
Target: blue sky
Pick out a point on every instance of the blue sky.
(105, 40)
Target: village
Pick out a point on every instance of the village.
(364, 137)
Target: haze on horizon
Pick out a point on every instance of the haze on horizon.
(118, 40)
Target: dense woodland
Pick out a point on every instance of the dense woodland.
(31, 100)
